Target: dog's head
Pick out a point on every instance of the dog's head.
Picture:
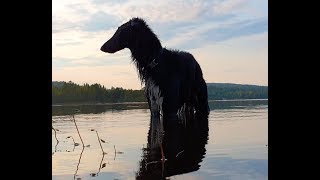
(122, 38)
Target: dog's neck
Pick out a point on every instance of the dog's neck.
(143, 54)
(155, 61)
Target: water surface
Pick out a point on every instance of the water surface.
(233, 145)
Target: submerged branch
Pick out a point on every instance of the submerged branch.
(116, 152)
(74, 176)
(55, 134)
(74, 120)
(100, 143)
(101, 165)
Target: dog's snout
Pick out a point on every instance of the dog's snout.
(102, 48)
(108, 47)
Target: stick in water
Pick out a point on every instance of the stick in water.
(55, 134)
(74, 120)
(100, 143)
(75, 174)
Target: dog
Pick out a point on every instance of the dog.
(173, 79)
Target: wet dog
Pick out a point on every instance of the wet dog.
(174, 82)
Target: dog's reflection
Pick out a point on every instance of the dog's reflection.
(173, 147)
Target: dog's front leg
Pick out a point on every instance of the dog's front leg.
(171, 100)
(154, 98)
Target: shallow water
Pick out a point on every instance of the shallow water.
(233, 146)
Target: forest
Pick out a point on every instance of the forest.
(70, 92)
(219, 91)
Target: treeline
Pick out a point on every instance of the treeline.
(219, 91)
(69, 92)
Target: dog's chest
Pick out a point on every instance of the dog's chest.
(154, 95)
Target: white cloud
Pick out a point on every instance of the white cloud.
(187, 35)
(160, 12)
(77, 55)
(228, 6)
(73, 14)
(195, 31)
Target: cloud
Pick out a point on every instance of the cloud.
(101, 21)
(209, 33)
(160, 12)
(70, 15)
(228, 30)
(109, 1)
(68, 43)
(228, 6)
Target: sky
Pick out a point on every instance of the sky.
(228, 38)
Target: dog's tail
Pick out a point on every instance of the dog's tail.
(201, 105)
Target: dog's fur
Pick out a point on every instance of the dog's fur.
(173, 79)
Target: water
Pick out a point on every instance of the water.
(233, 145)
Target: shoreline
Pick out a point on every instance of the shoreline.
(132, 103)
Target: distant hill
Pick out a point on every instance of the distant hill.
(232, 85)
(69, 92)
(218, 91)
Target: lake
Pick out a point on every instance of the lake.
(122, 142)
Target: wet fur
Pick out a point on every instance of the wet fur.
(175, 84)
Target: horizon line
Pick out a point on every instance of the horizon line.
(143, 86)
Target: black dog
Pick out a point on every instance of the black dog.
(173, 79)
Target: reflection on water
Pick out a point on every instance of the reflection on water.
(176, 150)
(230, 144)
(102, 108)
(96, 109)
(74, 176)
